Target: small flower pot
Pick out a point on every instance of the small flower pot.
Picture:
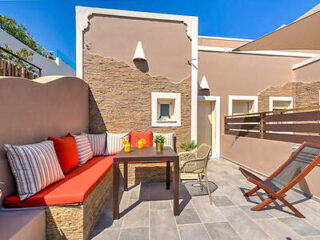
(159, 147)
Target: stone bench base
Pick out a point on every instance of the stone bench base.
(146, 172)
(74, 221)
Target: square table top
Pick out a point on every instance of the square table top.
(147, 154)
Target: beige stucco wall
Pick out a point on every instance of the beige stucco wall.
(120, 92)
(308, 73)
(250, 75)
(243, 74)
(227, 43)
(33, 110)
(266, 156)
(166, 45)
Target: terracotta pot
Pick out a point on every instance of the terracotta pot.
(159, 147)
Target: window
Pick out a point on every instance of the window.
(280, 103)
(242, 104)
(166, 109)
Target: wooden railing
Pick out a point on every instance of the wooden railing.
(292, 125)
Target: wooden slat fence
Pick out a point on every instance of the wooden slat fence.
(292, 125)
(8, 68)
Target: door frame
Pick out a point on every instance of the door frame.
(216, 126)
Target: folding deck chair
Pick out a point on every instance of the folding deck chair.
(299, 164)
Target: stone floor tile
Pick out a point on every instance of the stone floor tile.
(105, 221)
(300, 226)
(136, 215)
(146, 212)
(256, 214)
(193, 232)
(188, 216)
(160, 205)
(157, 191)
(207, 213)
(221, 201)
(107, 234)
(135, 195)
(312, 238)
(134, 234)
(221, 231)
(162, 225)
(277, 230)
(243, 225)
(309, 210)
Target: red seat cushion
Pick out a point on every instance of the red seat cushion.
(67, 153)
(135, 136)
(74, 188)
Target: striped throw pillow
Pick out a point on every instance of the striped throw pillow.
(84, 148)
(114, 142)
(169, 139)
(34, 166)
(97, 143)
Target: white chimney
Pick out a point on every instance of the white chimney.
(204, 83)
(139, 53)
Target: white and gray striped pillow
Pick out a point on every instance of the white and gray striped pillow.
(34, 166)
(114, 142)
(84, 148)
(97, 143)
(169, 139)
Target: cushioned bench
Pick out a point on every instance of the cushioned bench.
(73, 203)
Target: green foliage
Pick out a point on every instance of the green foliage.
(188, 145)
(22, 53)
(19, 31)
(159, 139)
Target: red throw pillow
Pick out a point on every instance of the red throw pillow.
(135, 136)
(67, 153)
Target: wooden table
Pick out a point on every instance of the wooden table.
(147, 155)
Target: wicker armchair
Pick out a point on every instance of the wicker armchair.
(196, 162)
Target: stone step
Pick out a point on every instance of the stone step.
(23, 224)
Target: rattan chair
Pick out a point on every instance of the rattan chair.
(196, 162)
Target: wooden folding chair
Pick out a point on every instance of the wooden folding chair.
(299, 164)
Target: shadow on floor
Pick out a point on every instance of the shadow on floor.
(275, 205)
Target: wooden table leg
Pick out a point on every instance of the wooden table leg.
(116, 176)
(168, 175)
(125, 176)
(176, 187)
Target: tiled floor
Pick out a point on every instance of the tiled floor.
(147, 213)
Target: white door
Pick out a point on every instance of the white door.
(206, 123)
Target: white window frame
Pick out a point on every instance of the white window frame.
(176, 119)
(284, 99)
(244, 98)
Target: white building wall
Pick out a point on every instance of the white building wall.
(49, 67)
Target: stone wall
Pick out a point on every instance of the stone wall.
(120, 97)
(304, 94)
(276, 91)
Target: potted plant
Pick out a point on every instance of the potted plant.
(188, 145)
(159, 140)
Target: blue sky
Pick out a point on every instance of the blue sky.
(52, 23)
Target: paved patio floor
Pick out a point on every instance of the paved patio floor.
(147, 213)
